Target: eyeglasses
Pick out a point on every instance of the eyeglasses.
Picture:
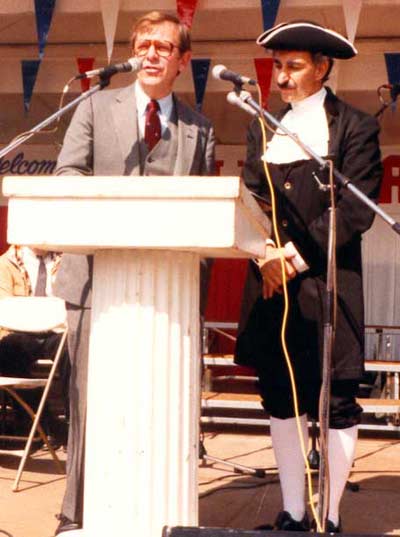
(162, 48)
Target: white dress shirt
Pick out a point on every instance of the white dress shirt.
(31, 264)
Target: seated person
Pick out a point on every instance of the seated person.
(26, 271)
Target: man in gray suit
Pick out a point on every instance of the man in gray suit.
(142, 129)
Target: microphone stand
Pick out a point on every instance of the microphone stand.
(20, 139)
(394, 93)
(246, 102)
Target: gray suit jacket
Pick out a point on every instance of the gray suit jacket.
(103, 139)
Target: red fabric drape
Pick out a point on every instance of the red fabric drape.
(224, 298)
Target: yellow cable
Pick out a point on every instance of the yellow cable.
(283, 330)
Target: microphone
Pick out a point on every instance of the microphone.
(234, 98)
(220, 72)
(394, 89)
(131, 65)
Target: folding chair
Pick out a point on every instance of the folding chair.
(32, 315)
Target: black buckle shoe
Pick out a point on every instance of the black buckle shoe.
(66, 524)
(330, 527)
(285, 522)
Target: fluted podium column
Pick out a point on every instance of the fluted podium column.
(147, 235)
(141, 472)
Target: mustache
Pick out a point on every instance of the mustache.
(286, 85)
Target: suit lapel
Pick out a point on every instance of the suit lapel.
(187, 140)
(126, 127)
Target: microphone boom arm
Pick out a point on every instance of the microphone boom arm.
(104, 74)
(342, 179)
(394, 93)
(20, 139)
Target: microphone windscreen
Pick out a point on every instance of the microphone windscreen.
(217, 70)
(136, 63)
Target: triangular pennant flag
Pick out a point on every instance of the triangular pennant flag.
(85, 64)
(109, 12)
(186, 9)
(269, 12)
(29, 73)
(200, 67)
(264, 76)
(351, 9)
(392, 60)
(44, 13)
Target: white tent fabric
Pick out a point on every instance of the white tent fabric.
(381, 272)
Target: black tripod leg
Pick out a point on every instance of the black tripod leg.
(313, 454)
(238, 468)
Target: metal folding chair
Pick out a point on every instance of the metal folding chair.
(32, 315)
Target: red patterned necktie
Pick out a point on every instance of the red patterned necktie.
(152, 131)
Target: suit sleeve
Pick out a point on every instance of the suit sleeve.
(76, 155)
(209, 153)
(361, 163)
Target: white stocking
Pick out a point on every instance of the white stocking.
(289, 458)
(341, 451)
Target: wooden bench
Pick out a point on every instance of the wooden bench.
(213, 400)
(252, 401)
(248, 411)
(221, 374)
(370, 365)
(217, 408)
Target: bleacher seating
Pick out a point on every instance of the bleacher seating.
(230, 396)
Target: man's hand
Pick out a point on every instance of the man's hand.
(271, 270)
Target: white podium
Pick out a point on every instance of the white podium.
(147, 236)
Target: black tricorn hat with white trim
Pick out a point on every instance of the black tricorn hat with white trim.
(309, 36)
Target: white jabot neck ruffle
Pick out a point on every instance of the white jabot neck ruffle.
(307, 119)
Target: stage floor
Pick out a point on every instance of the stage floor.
(227, 499)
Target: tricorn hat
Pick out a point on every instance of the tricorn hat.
(307, 35)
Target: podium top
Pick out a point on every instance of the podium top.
(79, 186)
(215, 216)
